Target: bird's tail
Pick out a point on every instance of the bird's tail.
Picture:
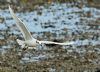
(20, 42)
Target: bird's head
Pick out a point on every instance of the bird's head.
(38, 42)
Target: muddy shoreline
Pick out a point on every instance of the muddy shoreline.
(57, 21)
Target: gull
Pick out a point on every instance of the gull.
(29, 41)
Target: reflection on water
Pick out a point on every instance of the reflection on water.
(57, 21)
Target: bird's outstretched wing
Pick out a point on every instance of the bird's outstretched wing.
(27, 34)
(50, 42)
(23, 28)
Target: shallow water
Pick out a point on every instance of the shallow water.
(60, 19)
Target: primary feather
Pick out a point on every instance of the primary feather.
(23, 28)
(50, 42)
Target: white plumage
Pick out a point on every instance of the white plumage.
(29, 40)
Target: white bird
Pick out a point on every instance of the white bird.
(29, 40)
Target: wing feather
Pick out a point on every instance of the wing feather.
(23, 28)
(50, 42)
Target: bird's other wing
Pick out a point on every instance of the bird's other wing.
(23, 28)
(50, 42)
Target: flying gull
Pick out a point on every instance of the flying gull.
(29, 40)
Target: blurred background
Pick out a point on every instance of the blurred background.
(54, 20)
(32, 3)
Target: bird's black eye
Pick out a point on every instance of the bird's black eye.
(24, 49)
(37, 42)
